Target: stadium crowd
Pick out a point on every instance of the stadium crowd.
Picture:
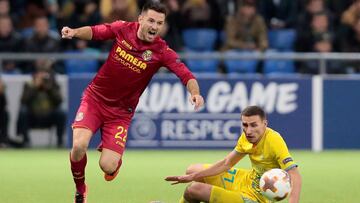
(241, 25)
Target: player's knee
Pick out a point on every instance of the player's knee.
(81, 139)
(108, 166)
(194, 168)
(79, 147)
(192, 191)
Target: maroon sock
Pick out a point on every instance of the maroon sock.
(78, 172)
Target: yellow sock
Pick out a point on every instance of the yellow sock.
(182, 200)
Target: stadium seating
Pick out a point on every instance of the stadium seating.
(282, 39)
(240, 66)
(199, 39)
(273, 66)
(203, 65)
(74, 66)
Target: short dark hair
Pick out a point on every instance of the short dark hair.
(254, 111)
(156, 6)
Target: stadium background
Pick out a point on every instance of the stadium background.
(313, 111)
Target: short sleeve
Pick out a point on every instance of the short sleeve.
(282, 154)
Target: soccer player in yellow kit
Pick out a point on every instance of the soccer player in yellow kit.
(221, 183)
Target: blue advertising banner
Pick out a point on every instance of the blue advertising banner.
(165, 118)
(341, 110)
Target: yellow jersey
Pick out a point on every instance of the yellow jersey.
(270, 152)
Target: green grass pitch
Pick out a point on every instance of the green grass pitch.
(39, 176)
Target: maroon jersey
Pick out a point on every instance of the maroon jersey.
(130, 65)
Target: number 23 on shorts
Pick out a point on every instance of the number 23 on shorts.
(121, 136)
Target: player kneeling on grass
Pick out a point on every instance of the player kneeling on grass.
(110, 100)
(221, 183)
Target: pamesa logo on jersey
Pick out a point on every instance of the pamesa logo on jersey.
(129, 60)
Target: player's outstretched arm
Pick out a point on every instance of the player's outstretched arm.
(196, 99)
(84, 33)
(295, 185)
(221, 166)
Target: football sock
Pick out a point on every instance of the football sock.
(78, 172)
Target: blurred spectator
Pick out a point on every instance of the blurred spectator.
(33, 9)
(5, 10)
(172, 31)
(337, 8)
(312, 7)
(227, 7)
(279, 14)
(350, 16)
(86, 12)
(65, 10)
(112, 10)
(10, 41)
(311, 40)
(40, 106)
(246, 30)
(42, 40)
(52, 8)
(350, 42)
(201, 14)
(4, 7)
(17, 7)
(320, 38)
(4, 117)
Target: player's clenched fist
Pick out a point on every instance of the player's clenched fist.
(67, 33)
(197, 100)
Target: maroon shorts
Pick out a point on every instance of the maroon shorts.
(112, 121)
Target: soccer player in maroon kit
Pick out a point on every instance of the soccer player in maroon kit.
(110, 99)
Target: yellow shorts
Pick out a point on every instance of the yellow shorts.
(230, 186)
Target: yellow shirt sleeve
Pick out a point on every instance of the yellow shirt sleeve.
(243, 146)
(281, 151)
